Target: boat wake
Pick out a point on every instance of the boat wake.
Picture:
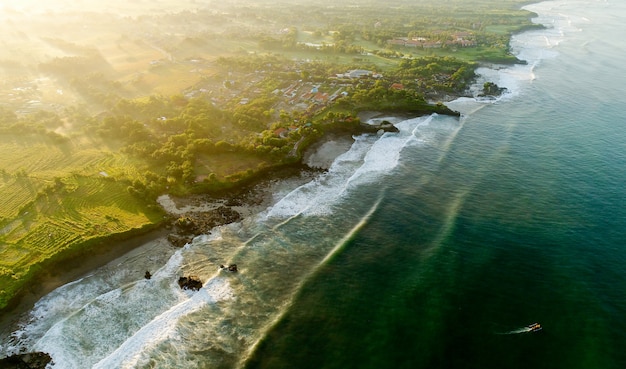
(535, 327)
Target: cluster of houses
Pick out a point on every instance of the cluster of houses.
(305, 93)
(358, 73)
(459, 39)
(305, 96)
(309, 97)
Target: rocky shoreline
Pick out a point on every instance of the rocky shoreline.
(35, 360)
(190, 217)
(196, 215)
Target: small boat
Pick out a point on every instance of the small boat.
(535, 327)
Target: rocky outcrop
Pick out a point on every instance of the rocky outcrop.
(197, 223)
(179, 240)
(230, 268)
(190, 283)
(491, 89)
(205, 221)
(33, 360)
(385, 126)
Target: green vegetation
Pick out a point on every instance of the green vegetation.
(57, 197)
(94, 125)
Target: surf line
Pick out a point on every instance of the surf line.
(338, 247)
(163, 326)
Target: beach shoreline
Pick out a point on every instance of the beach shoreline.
(248, 200)
(69, 270)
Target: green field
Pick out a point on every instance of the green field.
(60, 198)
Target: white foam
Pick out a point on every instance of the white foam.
(369, 158)
(384, 154)
(163, 327)
(317, 196)
(82, 321)
(532, 47)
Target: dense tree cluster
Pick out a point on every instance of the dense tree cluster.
(250, 107)
(170, 133)
(436, 74)
(39, 123)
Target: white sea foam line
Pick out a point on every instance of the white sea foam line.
(163, 327)
(422, 123)
(445, 148)
(316, 197)
(46, 329)
(384, 155)
(55, 309)
(451, 216)
(338, 247)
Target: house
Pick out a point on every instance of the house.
(463, 39)
(320, 97)
(398, 41)
(358, 73)
(432, 45)
(281, 132)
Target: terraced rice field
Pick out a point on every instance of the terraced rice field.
(55, 199)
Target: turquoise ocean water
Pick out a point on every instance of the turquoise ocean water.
(431, 248)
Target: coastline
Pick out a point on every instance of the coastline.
(68, 270)
(319, 155)
(247, 201)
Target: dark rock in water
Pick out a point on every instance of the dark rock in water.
(185, 223)
(491, 89)
(178, 240)
(388, 126)
(190, 283)
(230, 268)
(33, 360)
(374, 128)
(148, 275)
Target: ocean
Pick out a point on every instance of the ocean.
(435, 247)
